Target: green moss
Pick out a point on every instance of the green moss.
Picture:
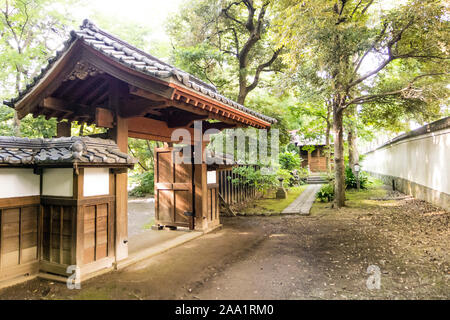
(272, 206)
(149, 225)
(94, 294)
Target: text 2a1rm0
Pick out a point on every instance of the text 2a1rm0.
(246, 309)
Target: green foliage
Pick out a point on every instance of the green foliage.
(145, 184)
(252, 176)
(205, 62)
(6, 116)
(229, 43)
(326, 193)
(38, 127)
(289, 161)
(351, 182)
(284, 174)
(30, 32)
(391, 58)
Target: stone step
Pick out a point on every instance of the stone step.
(316, 180)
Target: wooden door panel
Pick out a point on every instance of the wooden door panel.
(173, 189)
(183, 203)
(165, 205)
(165, 168)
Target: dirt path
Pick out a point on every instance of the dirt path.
(322, 256)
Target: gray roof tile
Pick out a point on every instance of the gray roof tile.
(82, 150)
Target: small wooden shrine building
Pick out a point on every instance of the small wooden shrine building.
(99, 79)
(313, 152)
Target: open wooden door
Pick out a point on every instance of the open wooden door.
(173, 190)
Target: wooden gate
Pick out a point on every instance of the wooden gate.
(173, 190)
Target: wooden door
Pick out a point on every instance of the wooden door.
(173, 190)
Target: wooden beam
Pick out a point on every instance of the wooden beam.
(141, 107)
(126, 74)
(150, 129)
(104, 118)
(63, 129)
(51, 82)
(184, 120)
(95, 92)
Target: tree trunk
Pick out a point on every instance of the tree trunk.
(339, 189)
(353, 156)
(16, 122)
(327, 138)
(327, 142)
(243, 92)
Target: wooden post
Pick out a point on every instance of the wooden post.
(63, 129)
(201, 193)
(118, 93)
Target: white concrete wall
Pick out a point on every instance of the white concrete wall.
(18, 182)
(424, 160)
(57, 182)
(96, 182)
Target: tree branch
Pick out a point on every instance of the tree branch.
(261, 68)
(225, 12)
(390, 58)
(373, 97)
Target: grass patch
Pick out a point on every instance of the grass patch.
(149, 224)
(272, 206)
(355, 199)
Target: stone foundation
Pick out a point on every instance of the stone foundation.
(416, 190)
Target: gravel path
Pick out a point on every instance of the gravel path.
(322, 256)
(141, 214)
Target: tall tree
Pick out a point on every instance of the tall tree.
(30, 32)
(239, 30)
(369, 53)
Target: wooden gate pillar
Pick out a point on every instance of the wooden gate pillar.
(63, 129)
(117, 98)
(201, 207)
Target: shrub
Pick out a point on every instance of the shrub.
(350, 179)
(326, 193)
(289, 161)
(145, 184)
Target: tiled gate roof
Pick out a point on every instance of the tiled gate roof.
(136, 59)
(82, 150)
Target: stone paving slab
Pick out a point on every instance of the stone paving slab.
(303, 203)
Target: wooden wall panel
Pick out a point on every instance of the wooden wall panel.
(29, 227)
(18, 240)
(89, 234)
(101, 231)
(10, 237)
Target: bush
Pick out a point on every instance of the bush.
(145, 184)
(289, 161)
(350, 179)
(326, 193)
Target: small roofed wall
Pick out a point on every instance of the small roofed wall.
(417, 164)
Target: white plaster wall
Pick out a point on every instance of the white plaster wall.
(211, 177)
(96, 182)
(57, 182)
(18, 182)
(424, 160)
